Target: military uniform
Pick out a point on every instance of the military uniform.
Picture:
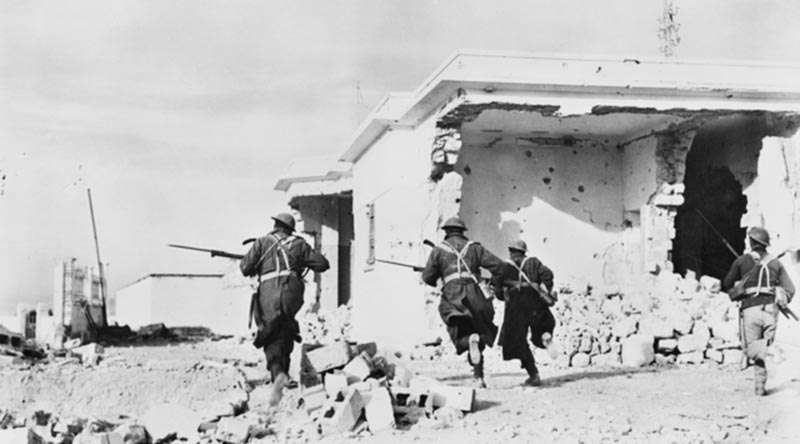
(465, 310)
(759, 309)
(279, 259)
(526, 308)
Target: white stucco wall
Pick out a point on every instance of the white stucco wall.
(639, 172)
(185, 301)
(393, 175)
(556, 198)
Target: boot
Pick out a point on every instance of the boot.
(277, 389)
(477, 373)
(533, 374)
(760, 373)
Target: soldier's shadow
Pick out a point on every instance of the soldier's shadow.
(558, 381)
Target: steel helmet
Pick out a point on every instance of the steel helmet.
(454, 223)
(518, 245)
(285, 219)
(759, 235)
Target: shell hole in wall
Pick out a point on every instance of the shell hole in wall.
(546, 180)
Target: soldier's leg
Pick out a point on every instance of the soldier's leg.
(756, 345)
(278, 351)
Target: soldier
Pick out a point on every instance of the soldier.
(526, 287)
(279, 259)
(761, 283)
(464, 308)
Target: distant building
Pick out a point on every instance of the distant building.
(219, 302)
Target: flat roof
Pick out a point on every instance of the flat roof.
(515, 72)
(175, 275)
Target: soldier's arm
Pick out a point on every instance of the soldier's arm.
(733, 275)
(313, 260)
(431, 273)
(249, 263)
(489, 261)
(542, 274)
(785, 281)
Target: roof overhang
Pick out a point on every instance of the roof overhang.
(510, 73)
(314, 170)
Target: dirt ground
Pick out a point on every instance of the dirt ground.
(699, 403)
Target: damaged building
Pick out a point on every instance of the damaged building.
(609, 169)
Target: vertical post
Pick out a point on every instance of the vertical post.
(104, 323)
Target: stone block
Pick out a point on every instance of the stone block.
(89, 353)
(714, 355)
(132, 434)
(695, 357)
(379, 411)
(14, 436)
(667, 345)
(692, 343)
(358, 369)
(606, 360)
(418, 396)
(625, 327)
(335, 382)
(329, 357)
(580, 360)
(711, 284)
(402, 376)
(638, 350)
(99, 438)
(340, 413)
(702, 330)
(235, 430)
(314, 398)
(681, 322)
(370, 348)
(661, 360)
(461, 398)
(655, 327)
(728, 331)
(732, 356)
(6, 420)
(6, 360)
(585, 344)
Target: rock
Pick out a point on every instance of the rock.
(661, 360)
(702, 330)
(690, 358)
(358, 369)
(667, 345)
(728, 331)
(715, 355)
(340, 414)
(235, 430)
(585, 344)
(625, 327)
(164, 419)
(133, 434)
(637, 350)
(732, 356)
(14, 436)
(580, 360)
(313, 397)
(448, 416)
(606, 360)
(711, 284)
(335, 382)
(655, 327)
(378, 411)
(681, 321)
(692, 343)
(6, 420)
(90, 354)
(329, 357)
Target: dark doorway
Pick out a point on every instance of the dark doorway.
(708, 228)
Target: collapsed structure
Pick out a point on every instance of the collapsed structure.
(609, 169)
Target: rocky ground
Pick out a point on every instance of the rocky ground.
(204, 380)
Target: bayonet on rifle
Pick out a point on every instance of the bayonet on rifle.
(214, 253)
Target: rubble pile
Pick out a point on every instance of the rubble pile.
(345, 389)
(325, 326)
(665, 319)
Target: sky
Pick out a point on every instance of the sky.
(180, 116)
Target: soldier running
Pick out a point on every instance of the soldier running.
(464, 308)
(279, 259)
(526, 287)
(763, 291)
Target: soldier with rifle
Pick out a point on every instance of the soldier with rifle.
(279, 260)
(761, 283)
(526, 287)
(466, 311)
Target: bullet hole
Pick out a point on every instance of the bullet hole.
(599, 68)
(518, 208)
(580, 189)
(574, 151)
(528, 153)
(467, 170)
(476, 212)
(549, 188)
(546, 180)
(627, 223)
(551, 169)
(514, 187)
(595, 255)
(606, 140)
(458, 200)
(575, 199)
(544, 240)
(606, 165)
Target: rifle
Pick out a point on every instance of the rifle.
(400, 264)
(540, 289)
(214, 253)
